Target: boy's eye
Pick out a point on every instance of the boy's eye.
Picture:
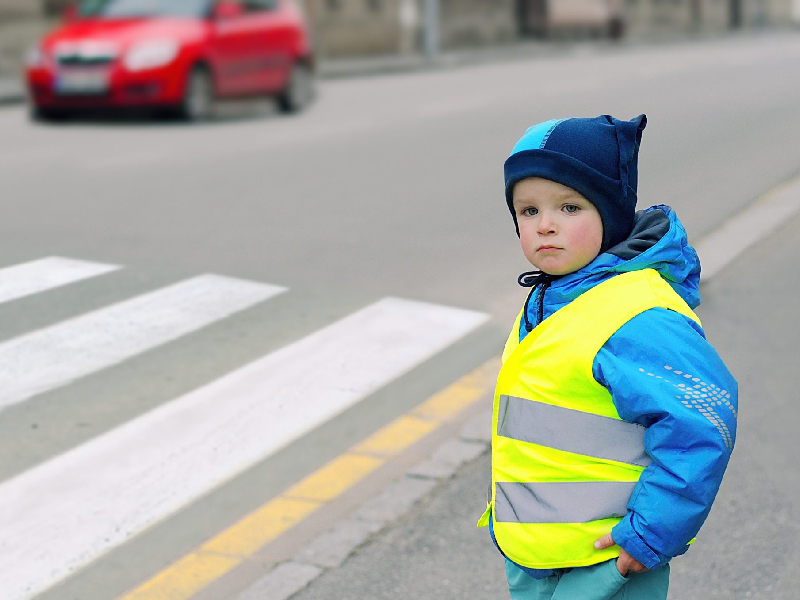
(571, 208)
(530, 211)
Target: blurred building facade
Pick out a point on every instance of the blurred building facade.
(368, 27)
(570, 18)
(21, 23)
(357, 27)
(664, 17)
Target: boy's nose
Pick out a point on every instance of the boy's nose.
(546, 224)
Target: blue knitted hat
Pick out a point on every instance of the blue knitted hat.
(596, 157)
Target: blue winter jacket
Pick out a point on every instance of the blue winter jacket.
(663, 374)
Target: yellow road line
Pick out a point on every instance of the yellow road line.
(338, 475)
(230, 548)
(396, 436)
(247, 535)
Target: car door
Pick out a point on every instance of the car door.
(233, 39)
(271, 44)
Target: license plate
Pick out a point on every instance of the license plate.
(82, 81)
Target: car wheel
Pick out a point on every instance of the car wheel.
(198, 96)
(299, 91)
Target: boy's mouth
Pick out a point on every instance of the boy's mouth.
(547, 248)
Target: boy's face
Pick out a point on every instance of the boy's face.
(560, 230)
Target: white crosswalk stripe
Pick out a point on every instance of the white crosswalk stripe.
(54, 356)
(63, 514)
(44, 274)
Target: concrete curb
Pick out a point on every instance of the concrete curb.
(286, 579)
(721, 246)
(382, 65)
(331, 549)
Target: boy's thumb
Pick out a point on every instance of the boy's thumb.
(604, 542)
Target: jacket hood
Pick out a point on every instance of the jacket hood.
(658, 241)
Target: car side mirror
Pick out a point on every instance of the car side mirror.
(70, 13)
(227, 10)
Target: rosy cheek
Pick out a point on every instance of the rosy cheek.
(588, 235)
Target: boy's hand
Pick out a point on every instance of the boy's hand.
(625, 562)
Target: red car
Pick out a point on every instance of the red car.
(175, 54)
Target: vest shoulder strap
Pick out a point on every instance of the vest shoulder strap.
(513, 339)
(587, 322)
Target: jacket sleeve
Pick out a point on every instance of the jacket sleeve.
(663, 374)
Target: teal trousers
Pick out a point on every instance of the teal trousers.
(598, 582)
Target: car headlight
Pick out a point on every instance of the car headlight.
(34, 57)
(151, 54)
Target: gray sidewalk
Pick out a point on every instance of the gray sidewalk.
(397, 63)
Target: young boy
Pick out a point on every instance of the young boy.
(614, 418)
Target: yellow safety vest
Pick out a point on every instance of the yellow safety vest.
(564, 463)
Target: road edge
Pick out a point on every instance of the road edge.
(196, 574)
(720, 247)
(330, 550)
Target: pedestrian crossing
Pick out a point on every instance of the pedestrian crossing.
(59, 516)
(45, 359)
(44, 274)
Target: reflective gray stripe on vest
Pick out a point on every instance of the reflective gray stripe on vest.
(571, 430)
(561, 502)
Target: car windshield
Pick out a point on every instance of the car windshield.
(144, 8)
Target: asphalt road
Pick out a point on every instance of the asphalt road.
(391, 186)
